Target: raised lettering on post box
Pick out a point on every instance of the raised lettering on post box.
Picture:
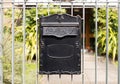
(60, 44)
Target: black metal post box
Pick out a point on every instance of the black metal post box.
(60, 46)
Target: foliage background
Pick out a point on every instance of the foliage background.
(113, 32)
(31, 39)
(30, 45)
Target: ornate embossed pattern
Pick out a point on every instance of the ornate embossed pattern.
(59, 31)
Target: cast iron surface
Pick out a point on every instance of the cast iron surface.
(60, 46)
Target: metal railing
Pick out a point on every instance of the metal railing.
(73, 4)
(1, 39)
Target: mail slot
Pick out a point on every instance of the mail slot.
(60, 45)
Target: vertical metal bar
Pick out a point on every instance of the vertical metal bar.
(83, 43)
(96, 33)
(36, 43)
(60, 79)
(118, 42)
(24, 35)
(1, 41)
(13, 10)
(48, 79)
(72, 8)
(107, 36)
(60, 6)
(71, 15)
(48, 7)
(60, 13)
(72, 78)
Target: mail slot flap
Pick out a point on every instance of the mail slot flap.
(60, 31)
(61, 24)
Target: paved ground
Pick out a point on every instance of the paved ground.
(89, 75)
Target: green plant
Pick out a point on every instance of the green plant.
(30, 67)
(113, 28)
(112, 40)
(30, 26)
(7, 59)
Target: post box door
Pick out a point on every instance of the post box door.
(60, 50)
